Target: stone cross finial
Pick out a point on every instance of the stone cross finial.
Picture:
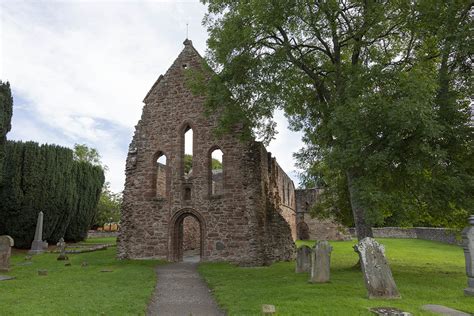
(38, 245)
(468, 246)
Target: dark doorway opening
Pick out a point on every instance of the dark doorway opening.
(187, 238)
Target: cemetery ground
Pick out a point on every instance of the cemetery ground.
(77, 289)
(425, 272)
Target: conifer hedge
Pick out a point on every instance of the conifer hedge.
(6, 110)
(46, 178)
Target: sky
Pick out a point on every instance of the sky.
(79, 70)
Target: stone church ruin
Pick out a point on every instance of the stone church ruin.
(242, 212)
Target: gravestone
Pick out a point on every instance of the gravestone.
(38, 245)
(6, 244)
(468, 246)
(320, 262)
(303, 259)
(268, 309)
(377, 274)
(62, 249)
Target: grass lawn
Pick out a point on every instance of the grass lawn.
(425, 272)
(77, 290)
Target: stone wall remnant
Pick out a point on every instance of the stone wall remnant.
(377, 274)
(315, 228)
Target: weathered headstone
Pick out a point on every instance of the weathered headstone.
(303, 259)
(388, 311)
(38, 245)
(468, 245)
(6, 244)
(377, 274)
(62, 249)
(43, 272)
(320, 262)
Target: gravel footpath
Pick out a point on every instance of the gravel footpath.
(181, 291)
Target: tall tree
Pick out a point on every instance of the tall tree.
(359, 78)
(6, 111)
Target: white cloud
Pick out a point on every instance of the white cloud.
(82, 68)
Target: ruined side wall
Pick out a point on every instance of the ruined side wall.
(274, 221)
(317, 229)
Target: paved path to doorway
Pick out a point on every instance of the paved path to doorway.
(181, 291)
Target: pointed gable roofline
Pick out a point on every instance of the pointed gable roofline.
(188, 48)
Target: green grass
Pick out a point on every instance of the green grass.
(77, 290)
(425, 272)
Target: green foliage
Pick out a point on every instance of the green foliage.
(424, 271)
(75, 290)
(379, 89)
(83, 153)
(46, 178)
(89, 180)
(108, 208)
(188, 163)
(6, 111)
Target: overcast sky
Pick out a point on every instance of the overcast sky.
(79, 71)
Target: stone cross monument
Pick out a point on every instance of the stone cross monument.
(38, 245)
(468, 245)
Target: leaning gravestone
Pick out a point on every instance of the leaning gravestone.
(303, 259)
(468, 245)
(6, 244)
(38, 245)
(377, 274)
(321, 262)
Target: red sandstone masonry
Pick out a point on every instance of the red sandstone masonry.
(248, 223)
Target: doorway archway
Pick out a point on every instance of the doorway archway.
(187, 231)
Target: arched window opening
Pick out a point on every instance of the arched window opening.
(217, 172)
(188, 151)
(161, 175)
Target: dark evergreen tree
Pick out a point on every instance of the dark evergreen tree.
(46, 178)
(89, 180)
(6, 110)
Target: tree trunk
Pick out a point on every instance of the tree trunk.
(363, 228)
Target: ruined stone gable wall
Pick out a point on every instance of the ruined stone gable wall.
(236, 225)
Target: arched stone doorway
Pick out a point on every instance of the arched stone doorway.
(187, 231)
(303, 231)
